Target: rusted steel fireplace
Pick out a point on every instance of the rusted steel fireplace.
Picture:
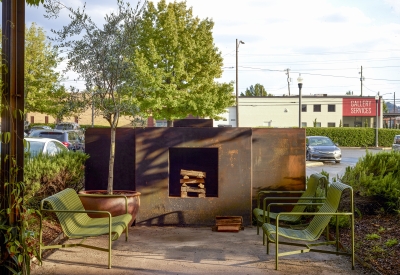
(193, 159)
(236, 162)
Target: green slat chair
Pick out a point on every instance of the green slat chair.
(313, 231)
(262, 215)
(76, 223)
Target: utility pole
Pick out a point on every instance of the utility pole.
(361, 79)
(288, 80)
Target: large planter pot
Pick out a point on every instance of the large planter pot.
(114, 205)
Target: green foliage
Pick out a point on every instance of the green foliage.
(372, 236)
(177, 64)
(19, 240)
(377, 175)
(391, 242)
(101, 57)
(343, 221)
(42, 82)
(46, 175)
(355, 136)
(256, 90)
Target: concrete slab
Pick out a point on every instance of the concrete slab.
(188, 250)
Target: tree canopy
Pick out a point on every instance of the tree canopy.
(100, 56)
(43, 91)
(42, 81)
(256, 90)
(176, 64)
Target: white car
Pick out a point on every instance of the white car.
(396, 143)
(36, 146)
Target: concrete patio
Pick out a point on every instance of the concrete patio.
(190, 250)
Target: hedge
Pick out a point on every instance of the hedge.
(355, 136)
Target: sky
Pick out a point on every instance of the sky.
(326, 41)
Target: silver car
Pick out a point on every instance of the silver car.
(396, 143)
(323, 149)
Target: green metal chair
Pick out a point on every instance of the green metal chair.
(313, 231)
(76, 223)
(263, 214)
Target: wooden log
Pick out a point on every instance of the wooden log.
(192, 173)
(193, 189)
(191, 181)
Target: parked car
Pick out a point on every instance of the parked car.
(70, 138)
(38, 127)
(396, 143)
(67, 126)
(322, 148)
(47, 146)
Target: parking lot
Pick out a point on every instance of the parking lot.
(350, 156)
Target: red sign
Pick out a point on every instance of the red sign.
(359, 106)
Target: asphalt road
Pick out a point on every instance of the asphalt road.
(350, 157)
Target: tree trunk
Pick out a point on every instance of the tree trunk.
(170, 123)
(113, 124)
(111, 162)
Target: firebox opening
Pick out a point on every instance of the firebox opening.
(202, 160)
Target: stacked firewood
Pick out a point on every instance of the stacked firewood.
(193, 181)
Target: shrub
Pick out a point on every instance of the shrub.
(46, 175)
(377, 175)
(355, 136)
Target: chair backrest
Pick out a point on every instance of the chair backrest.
(313, 182)
(331, 204)
(68, 199)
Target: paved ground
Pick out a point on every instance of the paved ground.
(189, 250)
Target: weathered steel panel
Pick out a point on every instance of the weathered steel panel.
(152, 175)
(278, 159)
(193, 122)
(97, 145)
(238, 163)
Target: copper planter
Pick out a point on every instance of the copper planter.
(115, 205)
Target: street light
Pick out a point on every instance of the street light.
(300, 84)
(237, 85)
(376, 123)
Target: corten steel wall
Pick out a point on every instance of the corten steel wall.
(249, 160)
(97, 145)
(278, 160)
(152, 175)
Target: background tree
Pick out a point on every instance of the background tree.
(42, 82)
(100, 57)
(177, 64)
(385, 107)
(257, 90)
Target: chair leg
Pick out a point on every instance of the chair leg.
(126, 233)
(109, 251)
(267, 245)
(263, 238)
(276, 249)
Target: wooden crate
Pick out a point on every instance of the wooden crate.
(228, 224)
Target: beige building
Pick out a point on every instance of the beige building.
(318, 111)
(83, 119)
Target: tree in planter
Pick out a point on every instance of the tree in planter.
(100, 57)
(176, 64)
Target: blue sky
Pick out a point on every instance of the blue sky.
(327, 41)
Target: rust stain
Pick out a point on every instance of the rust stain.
(232, 154)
